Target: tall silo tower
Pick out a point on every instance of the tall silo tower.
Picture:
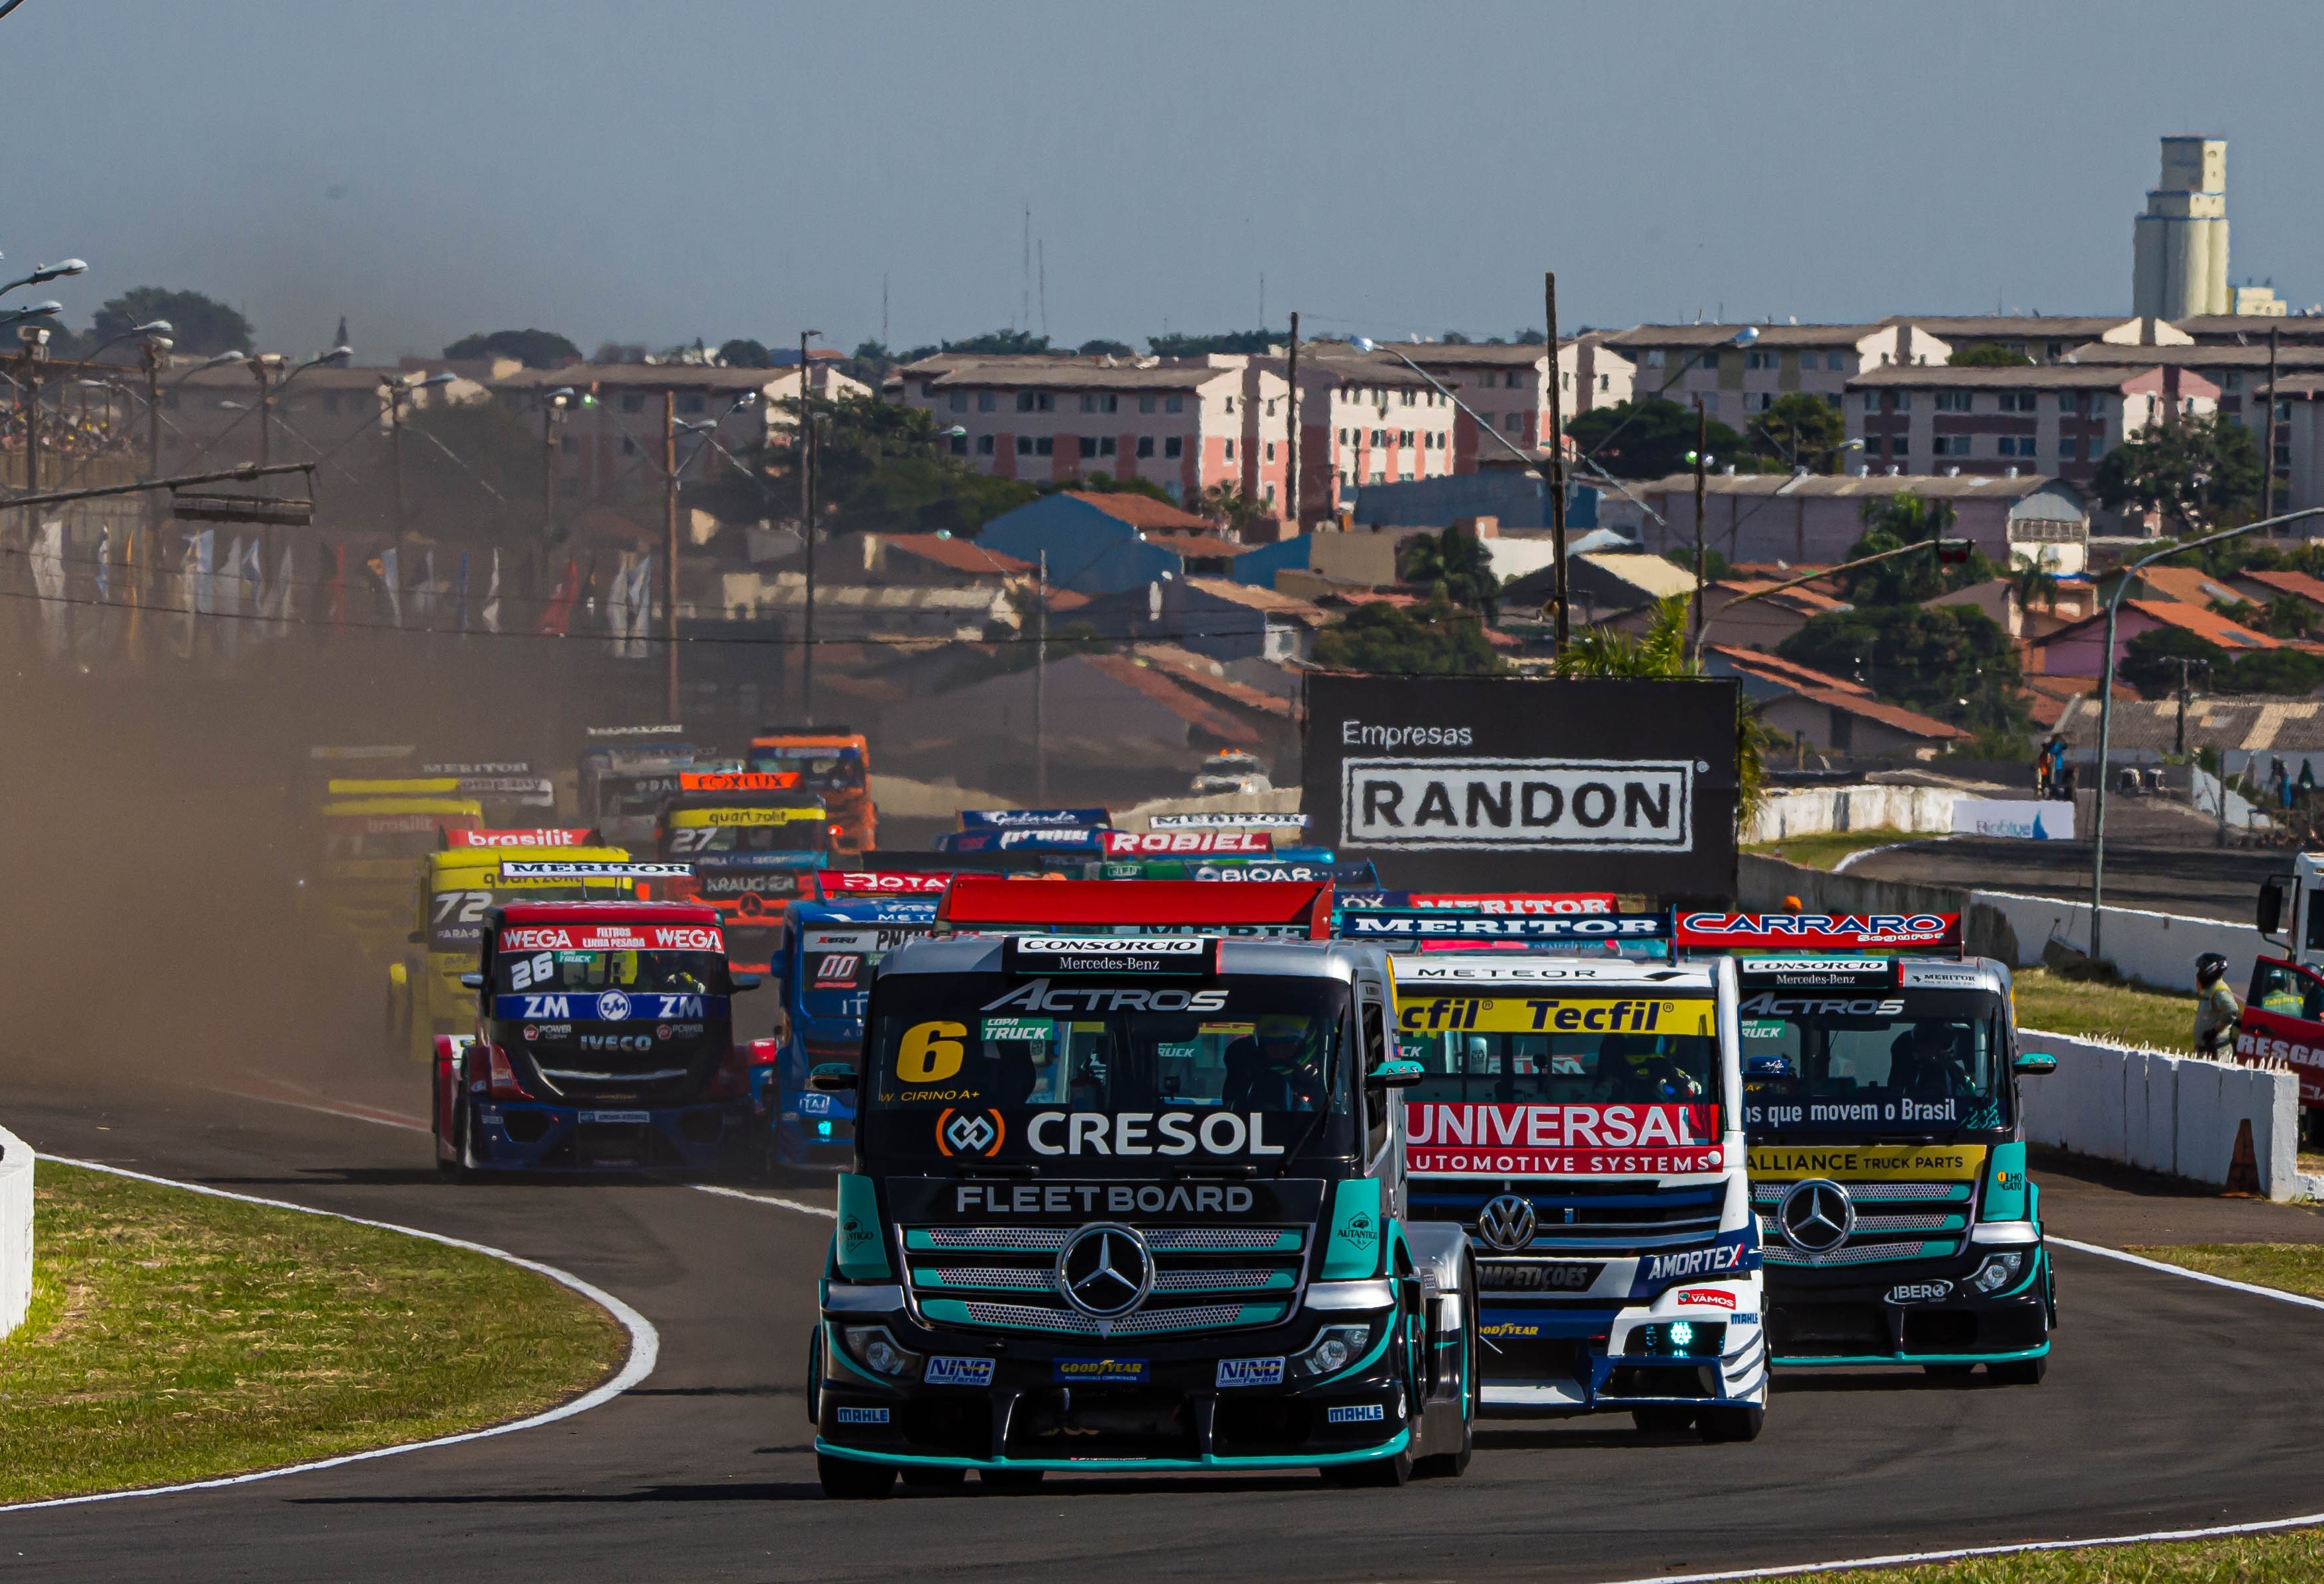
(2180, 248)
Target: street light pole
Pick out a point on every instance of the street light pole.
(669, 549)
(806, 527)
(552, 408)
(1556, 441)
(2105, 701)
(1291, 428)
(1702, 444)
(35, 342)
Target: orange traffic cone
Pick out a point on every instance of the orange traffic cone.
(2243, 1172)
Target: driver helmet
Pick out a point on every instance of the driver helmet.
(2209, 968)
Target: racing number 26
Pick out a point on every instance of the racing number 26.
(931, 1052)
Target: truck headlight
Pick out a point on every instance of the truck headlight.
(1335, 1348)
(1997, 1271)
(873, 1347)
(1678, 1338)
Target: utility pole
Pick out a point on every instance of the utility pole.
(35, 342)
(2267, 450)
(1555, 440)
(260, 371)
(552, 408)
(806, 526)
(1291, 406)
(1701, 439)
(394, 392)
(1041, 683)
(669, 549)
(156, 505)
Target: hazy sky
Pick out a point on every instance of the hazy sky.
(656, 169)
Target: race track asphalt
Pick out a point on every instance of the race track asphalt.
(2168, 1404)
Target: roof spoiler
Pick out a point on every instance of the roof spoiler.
(1855, 934)
(980, 902)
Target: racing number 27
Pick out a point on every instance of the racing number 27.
(931, 1052)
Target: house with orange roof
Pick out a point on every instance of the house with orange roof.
(1829, 712)
(1762, 623)
(2189, 585)
(2080, 650)
(2261, 587)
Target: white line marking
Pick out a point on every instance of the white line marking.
(353, 1113)
(765, 1199)
(645, 1349)
(1917, 1558)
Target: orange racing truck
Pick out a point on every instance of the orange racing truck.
(835, 763)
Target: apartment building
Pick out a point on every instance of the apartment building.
(609, 433)
(1811, 519)
(1508, 388)
(1186, 424)
(209, 415)
(2043, 337)
(1736, 383)
(2058, 419)
(1366, 419)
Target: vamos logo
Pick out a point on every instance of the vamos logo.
(1487, 804)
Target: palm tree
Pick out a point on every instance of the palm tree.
(1661, 652)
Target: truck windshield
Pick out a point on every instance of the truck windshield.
(824, 772)
(675, 972)
(1099, 1069)
(803, 835)
(841, 957)
(1915, 1062)
(630, 796)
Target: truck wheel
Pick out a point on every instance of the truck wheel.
(1009, 1481)
(1380, 1474)
(1453, 1465)
(463, 1154)
(814, 1375)
(920, 1478)
(1732, 1421)
(846, 1480)
(1663, 1419)
(1955, 1373)
(2019, 1371)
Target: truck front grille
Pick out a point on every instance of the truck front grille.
(1881, 1234)
(1582, 1219)
(1205, 1278)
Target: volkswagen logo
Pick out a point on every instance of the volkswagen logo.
(1816, 1216)
(1507, 1222)
(1105, 1271)
(613, 1006)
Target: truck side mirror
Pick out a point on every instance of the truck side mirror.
(2033, 1064)
(414, 938)
(471, 980)
(831, 1077)
(1397, 1073)
(2271, 906)
(745, 981)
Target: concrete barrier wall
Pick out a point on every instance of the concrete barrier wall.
(1808, 811)
(15, 1231)
(2177, 1115)
(2157, 949)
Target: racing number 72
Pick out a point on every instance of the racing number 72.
(462, 907)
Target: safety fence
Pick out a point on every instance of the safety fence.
(15, 1231)
(2216, 1122)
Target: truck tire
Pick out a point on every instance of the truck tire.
(464, 1156)
(814, 1375)
(1663, 1419)
(916, 1478)
(1453, 1465)
(846, 1480)
(2019, 1371)
(1956, 1373)
(1732, 1421)
(1009, 1481)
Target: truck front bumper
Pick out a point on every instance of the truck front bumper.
(1692, 1346)
(1970, 1309)
(526, 1137)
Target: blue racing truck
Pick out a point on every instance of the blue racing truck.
(1130, 1199)
(828, 951)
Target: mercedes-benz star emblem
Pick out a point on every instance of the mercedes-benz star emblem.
(1507, 1222)
(1105, 1271)
(613, 1007)
(1816, 1216)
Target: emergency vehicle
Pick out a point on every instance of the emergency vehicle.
(2283, 1015)
(602, 1040)
(1887, 1146)
(835, 763)
(1127, 1196)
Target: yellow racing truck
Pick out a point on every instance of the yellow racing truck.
(457, 886)
(358, 888)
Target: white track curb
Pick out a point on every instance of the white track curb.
(645, 1349)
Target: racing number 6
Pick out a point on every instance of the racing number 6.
(931, 1052)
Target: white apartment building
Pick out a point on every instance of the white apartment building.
(1365, 419)
(1508, 388)
(1737, 384)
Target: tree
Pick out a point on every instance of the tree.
(1227, 504)
(1951, 661)
(1714, 564)
(1454, 566)
(1105, 484)
(1801, 429)
(742, 353)
(1662, 651)
(1649, 437)
(2285, 616)
(2197, 472)
(1891, 523)
(2272, 670)
(1105, 348)
(1000, 344)
(1988, 356)
(1434, 638)
(1253, 342)
(536, 349)
(199, 325)
(2150, 662)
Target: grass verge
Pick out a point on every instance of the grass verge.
(2094, 1008)
(2241, 1559)
(1826, 848)
(174, 1337)
(2292, 1267)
